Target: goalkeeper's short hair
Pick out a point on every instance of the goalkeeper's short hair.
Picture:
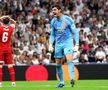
(58, 6)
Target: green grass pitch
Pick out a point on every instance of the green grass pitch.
(51, 85)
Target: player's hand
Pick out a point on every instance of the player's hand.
(76, 55)
(75, 48)
(51, 49)
(4, 17)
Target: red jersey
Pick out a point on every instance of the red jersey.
(5, 38)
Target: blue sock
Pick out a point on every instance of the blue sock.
(60, 72)
(71, 69)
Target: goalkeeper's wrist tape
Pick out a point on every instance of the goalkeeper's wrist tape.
(76, 44)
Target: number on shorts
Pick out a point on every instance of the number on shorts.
(5, 37)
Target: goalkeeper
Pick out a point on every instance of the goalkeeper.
(63, 32)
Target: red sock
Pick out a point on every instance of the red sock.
(0, 74)
(12, 74)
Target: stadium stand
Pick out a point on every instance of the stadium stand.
(31, 35)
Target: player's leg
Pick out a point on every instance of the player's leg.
(69, 57)
(9, 62)
(1, 65)
(59, 70)
(12, 74)
(1, 74)
(58, 57)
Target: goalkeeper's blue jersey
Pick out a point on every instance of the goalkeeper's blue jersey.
(63, 29)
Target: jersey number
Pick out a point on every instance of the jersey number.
(5, 37)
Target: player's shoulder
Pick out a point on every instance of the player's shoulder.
(53, 20)
(68, 19)
(12, 26)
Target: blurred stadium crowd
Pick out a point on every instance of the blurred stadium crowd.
(31, 35)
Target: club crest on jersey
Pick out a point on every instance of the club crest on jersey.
(63, 25)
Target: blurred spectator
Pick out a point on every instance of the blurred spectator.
(83, 57)
(91, 54)
(100, 55)
(23, 58)
(35, 59)
(85, 46)
(46, 59)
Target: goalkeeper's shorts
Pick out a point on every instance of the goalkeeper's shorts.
(63, 49)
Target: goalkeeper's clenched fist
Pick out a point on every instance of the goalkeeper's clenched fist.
(51, 49)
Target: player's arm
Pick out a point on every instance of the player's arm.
(75, 34)
(12, 20)
(0, 21)
(51, 39)
(1, 18)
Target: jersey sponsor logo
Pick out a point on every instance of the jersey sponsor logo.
(61, 27)
(59, 30)
(6, 29)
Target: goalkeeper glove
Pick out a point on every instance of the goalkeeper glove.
(75, 48)
(76, 55)
(51, 49)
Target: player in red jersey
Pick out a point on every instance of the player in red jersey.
(6, 30)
